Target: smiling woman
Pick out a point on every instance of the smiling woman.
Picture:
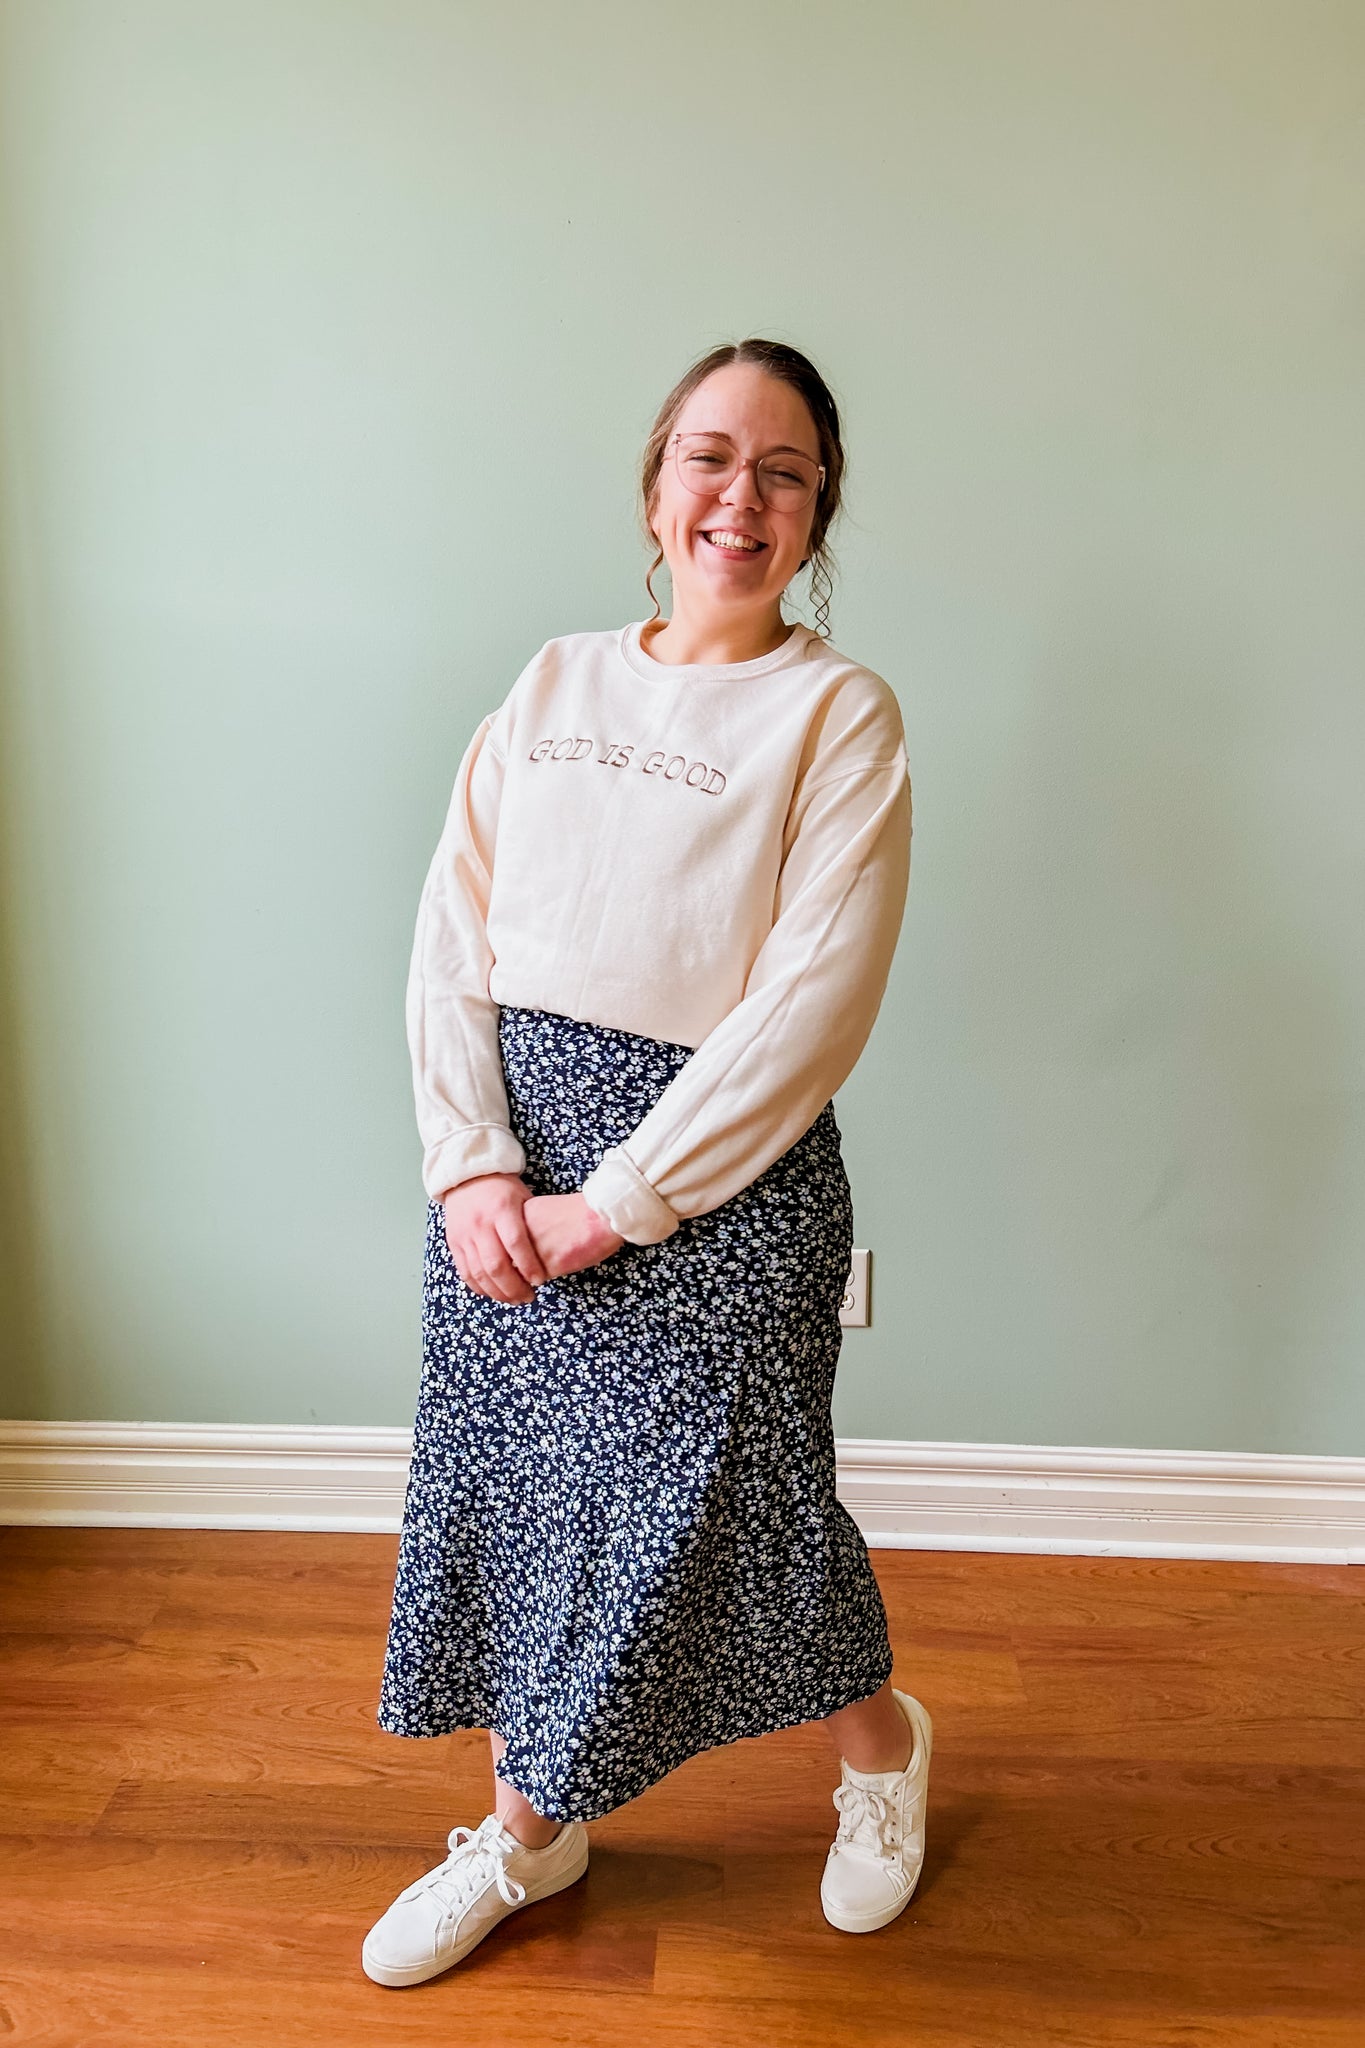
(637, 980)
(745, 461)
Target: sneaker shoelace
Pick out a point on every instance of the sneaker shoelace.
(863, 1814)
(475, 1856)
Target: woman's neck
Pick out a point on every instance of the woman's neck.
(680, 641)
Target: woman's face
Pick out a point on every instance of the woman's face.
(760, 415)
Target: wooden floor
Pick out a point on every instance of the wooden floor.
(1146, 1819)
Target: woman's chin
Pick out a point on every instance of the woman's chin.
(728, 582)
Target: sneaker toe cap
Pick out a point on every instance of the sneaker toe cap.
(857, 1885)
(403, 1937)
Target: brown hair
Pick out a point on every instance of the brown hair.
(792, 368)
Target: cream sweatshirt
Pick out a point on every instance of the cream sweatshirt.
(714, 856)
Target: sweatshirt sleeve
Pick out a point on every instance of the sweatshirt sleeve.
(452, 1021)
(758, 1081)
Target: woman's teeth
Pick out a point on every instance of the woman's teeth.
(734, 543)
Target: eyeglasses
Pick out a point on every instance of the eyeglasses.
(707, 464)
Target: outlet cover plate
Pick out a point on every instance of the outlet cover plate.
(855, 1311)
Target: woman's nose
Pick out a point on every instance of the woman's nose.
(742, 488)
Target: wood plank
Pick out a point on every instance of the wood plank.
(1147, 1819)
(502, 2007)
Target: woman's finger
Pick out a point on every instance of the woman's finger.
(502, 1279)
(521, 1249)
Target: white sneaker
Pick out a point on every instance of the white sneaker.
(874, 1862)
(487, 1875)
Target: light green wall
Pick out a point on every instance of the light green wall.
(332, 329)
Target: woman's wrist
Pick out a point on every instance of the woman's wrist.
(610, 1237)
(446, 1193)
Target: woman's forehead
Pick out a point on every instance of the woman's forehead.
(751, 406)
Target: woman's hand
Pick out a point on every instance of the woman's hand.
(506, 1242)
(486, 1231)
(568, 1234)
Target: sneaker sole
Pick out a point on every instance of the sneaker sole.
(397, 1976)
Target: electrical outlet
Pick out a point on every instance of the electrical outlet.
(855, 1310)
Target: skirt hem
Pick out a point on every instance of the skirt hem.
(589, 1810)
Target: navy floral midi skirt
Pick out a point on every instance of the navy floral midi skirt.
(621, 1543)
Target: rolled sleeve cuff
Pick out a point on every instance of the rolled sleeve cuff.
(619, 1193)
(479, 1148)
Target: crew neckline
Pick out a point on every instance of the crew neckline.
(635, 657)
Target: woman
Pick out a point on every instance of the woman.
(651, 945)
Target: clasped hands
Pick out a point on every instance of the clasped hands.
(507, 1242)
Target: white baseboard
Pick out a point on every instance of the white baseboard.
(914, 1496)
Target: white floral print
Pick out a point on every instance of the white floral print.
(621, 1543)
